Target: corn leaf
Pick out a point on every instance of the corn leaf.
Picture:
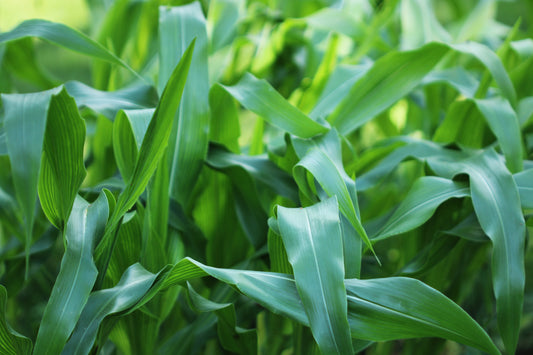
(425, 196)
(259, 97)
(313, 239)
(11, 342)
(62, 168)
(399, 307)
(76, 277)
(63, 36)
(132, 286)
(152, 148)
(497, 205)
(178, 27)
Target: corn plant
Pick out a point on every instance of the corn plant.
(268, 177)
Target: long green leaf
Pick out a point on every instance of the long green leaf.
(261, 98)
(63, 36)
(398, 73)
(400, 308)
(313, 239)
(178, 27)
(76, 276)
(420, 203)
(108, 103)
(152, 149)
(132, 286)
(497, 205)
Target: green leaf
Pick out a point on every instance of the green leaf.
(25, 118)
(178, 27)
(152, 149)
(132, 286)
(392, 77)
(259, 97)
(497, 205)
(76, 276)
(504, 124)
(399, 308)
(63, 36)
(62, 168)
(108, 103)
(232, 337)
(129, 130)
(11, 342)
(524, 183)
(398, 73)
(418, 206)
(313, 239)
(322, 158)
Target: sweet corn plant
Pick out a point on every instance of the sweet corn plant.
(268, 177)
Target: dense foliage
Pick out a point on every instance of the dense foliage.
(268, 176)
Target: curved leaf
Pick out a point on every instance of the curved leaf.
(63, 36)
(400, 308)
(261, 98)
(497, 205)
(425, 196)
(131, 288)
(11, 342)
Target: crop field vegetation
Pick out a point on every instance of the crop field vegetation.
(266, 177)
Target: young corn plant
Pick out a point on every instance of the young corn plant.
(268, 177)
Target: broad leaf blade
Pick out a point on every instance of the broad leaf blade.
(400, 307)
(313, 239)
(497, 205)
(62, 168)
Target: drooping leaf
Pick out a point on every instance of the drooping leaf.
(63, 36)
(497, 205)
(261, 98)
(399, 307)
(420, 203)
(108, 103)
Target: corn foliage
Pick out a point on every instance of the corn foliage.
(268, 177)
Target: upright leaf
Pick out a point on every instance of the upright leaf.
(178, 27)
(62, 168)
(76, 276)
(313, 239)
(152, 149)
